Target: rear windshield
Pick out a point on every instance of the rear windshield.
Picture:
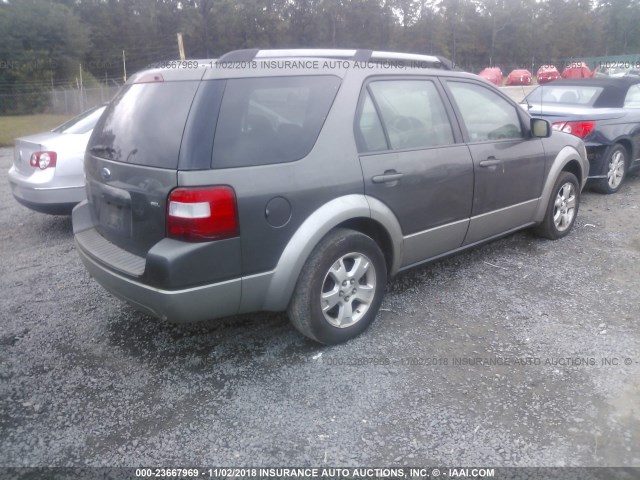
(83, 123)
(144, 123)
(271, 119)
(565, 94)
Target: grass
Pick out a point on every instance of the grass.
(12, 127)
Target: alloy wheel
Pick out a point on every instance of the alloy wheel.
(615, 174)
(565, 207)
(348, 290)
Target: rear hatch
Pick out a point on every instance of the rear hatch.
(132, 160)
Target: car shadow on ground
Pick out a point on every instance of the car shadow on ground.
(243, 340)
(268, 336)
(495, 254)
(633, 178)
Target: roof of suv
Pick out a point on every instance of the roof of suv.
(241, 63)
(355, 55)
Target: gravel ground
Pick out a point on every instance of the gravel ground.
(87, 381)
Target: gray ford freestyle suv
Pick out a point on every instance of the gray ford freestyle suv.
(302, 180)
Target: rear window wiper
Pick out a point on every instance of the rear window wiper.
(97, 149)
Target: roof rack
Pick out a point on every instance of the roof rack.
(356, 55)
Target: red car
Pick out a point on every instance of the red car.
(547, 73)
(493, 75)
(519, 77)
(577, 70)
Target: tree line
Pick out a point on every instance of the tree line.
(46, 44)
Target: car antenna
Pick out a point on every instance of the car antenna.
(525, 98)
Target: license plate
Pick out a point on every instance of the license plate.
(116, 218)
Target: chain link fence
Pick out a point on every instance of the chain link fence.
(69, 102)
(57, 101)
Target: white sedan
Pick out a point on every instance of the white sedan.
(47, 173)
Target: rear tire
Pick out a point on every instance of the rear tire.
(616, 169)
(562, 209)
(340, 288)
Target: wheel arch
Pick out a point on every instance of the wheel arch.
(359, 212)
(377, 232)
(569, 160)
(605, 174)
(573, 166)
(628, 146)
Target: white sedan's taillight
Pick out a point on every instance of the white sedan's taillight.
(202, 214)
(43, 160)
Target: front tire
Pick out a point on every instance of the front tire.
(340, 288)
(616, 169)
(562, 209)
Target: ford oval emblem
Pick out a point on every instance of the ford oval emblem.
(105, 173)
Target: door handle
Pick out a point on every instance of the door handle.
(490, 162)
(389, 176)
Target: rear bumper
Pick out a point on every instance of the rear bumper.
(128, 279)
(45, 197)
(179, 306)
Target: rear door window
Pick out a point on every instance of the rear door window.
(369, 131)
(271, 120)
(413, 114)
(144, 124)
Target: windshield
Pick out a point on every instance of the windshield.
(565, 94)
(83, 123)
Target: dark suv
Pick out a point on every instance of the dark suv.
(302, 180)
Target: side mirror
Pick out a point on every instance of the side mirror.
(540, 128)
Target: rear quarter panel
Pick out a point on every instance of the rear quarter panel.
(299, 188)
(611, 131)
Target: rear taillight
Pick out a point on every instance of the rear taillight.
(43, 160)
(579, 129)
(202, 214)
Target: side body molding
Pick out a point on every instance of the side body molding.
(564, 157)
(282, 281)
